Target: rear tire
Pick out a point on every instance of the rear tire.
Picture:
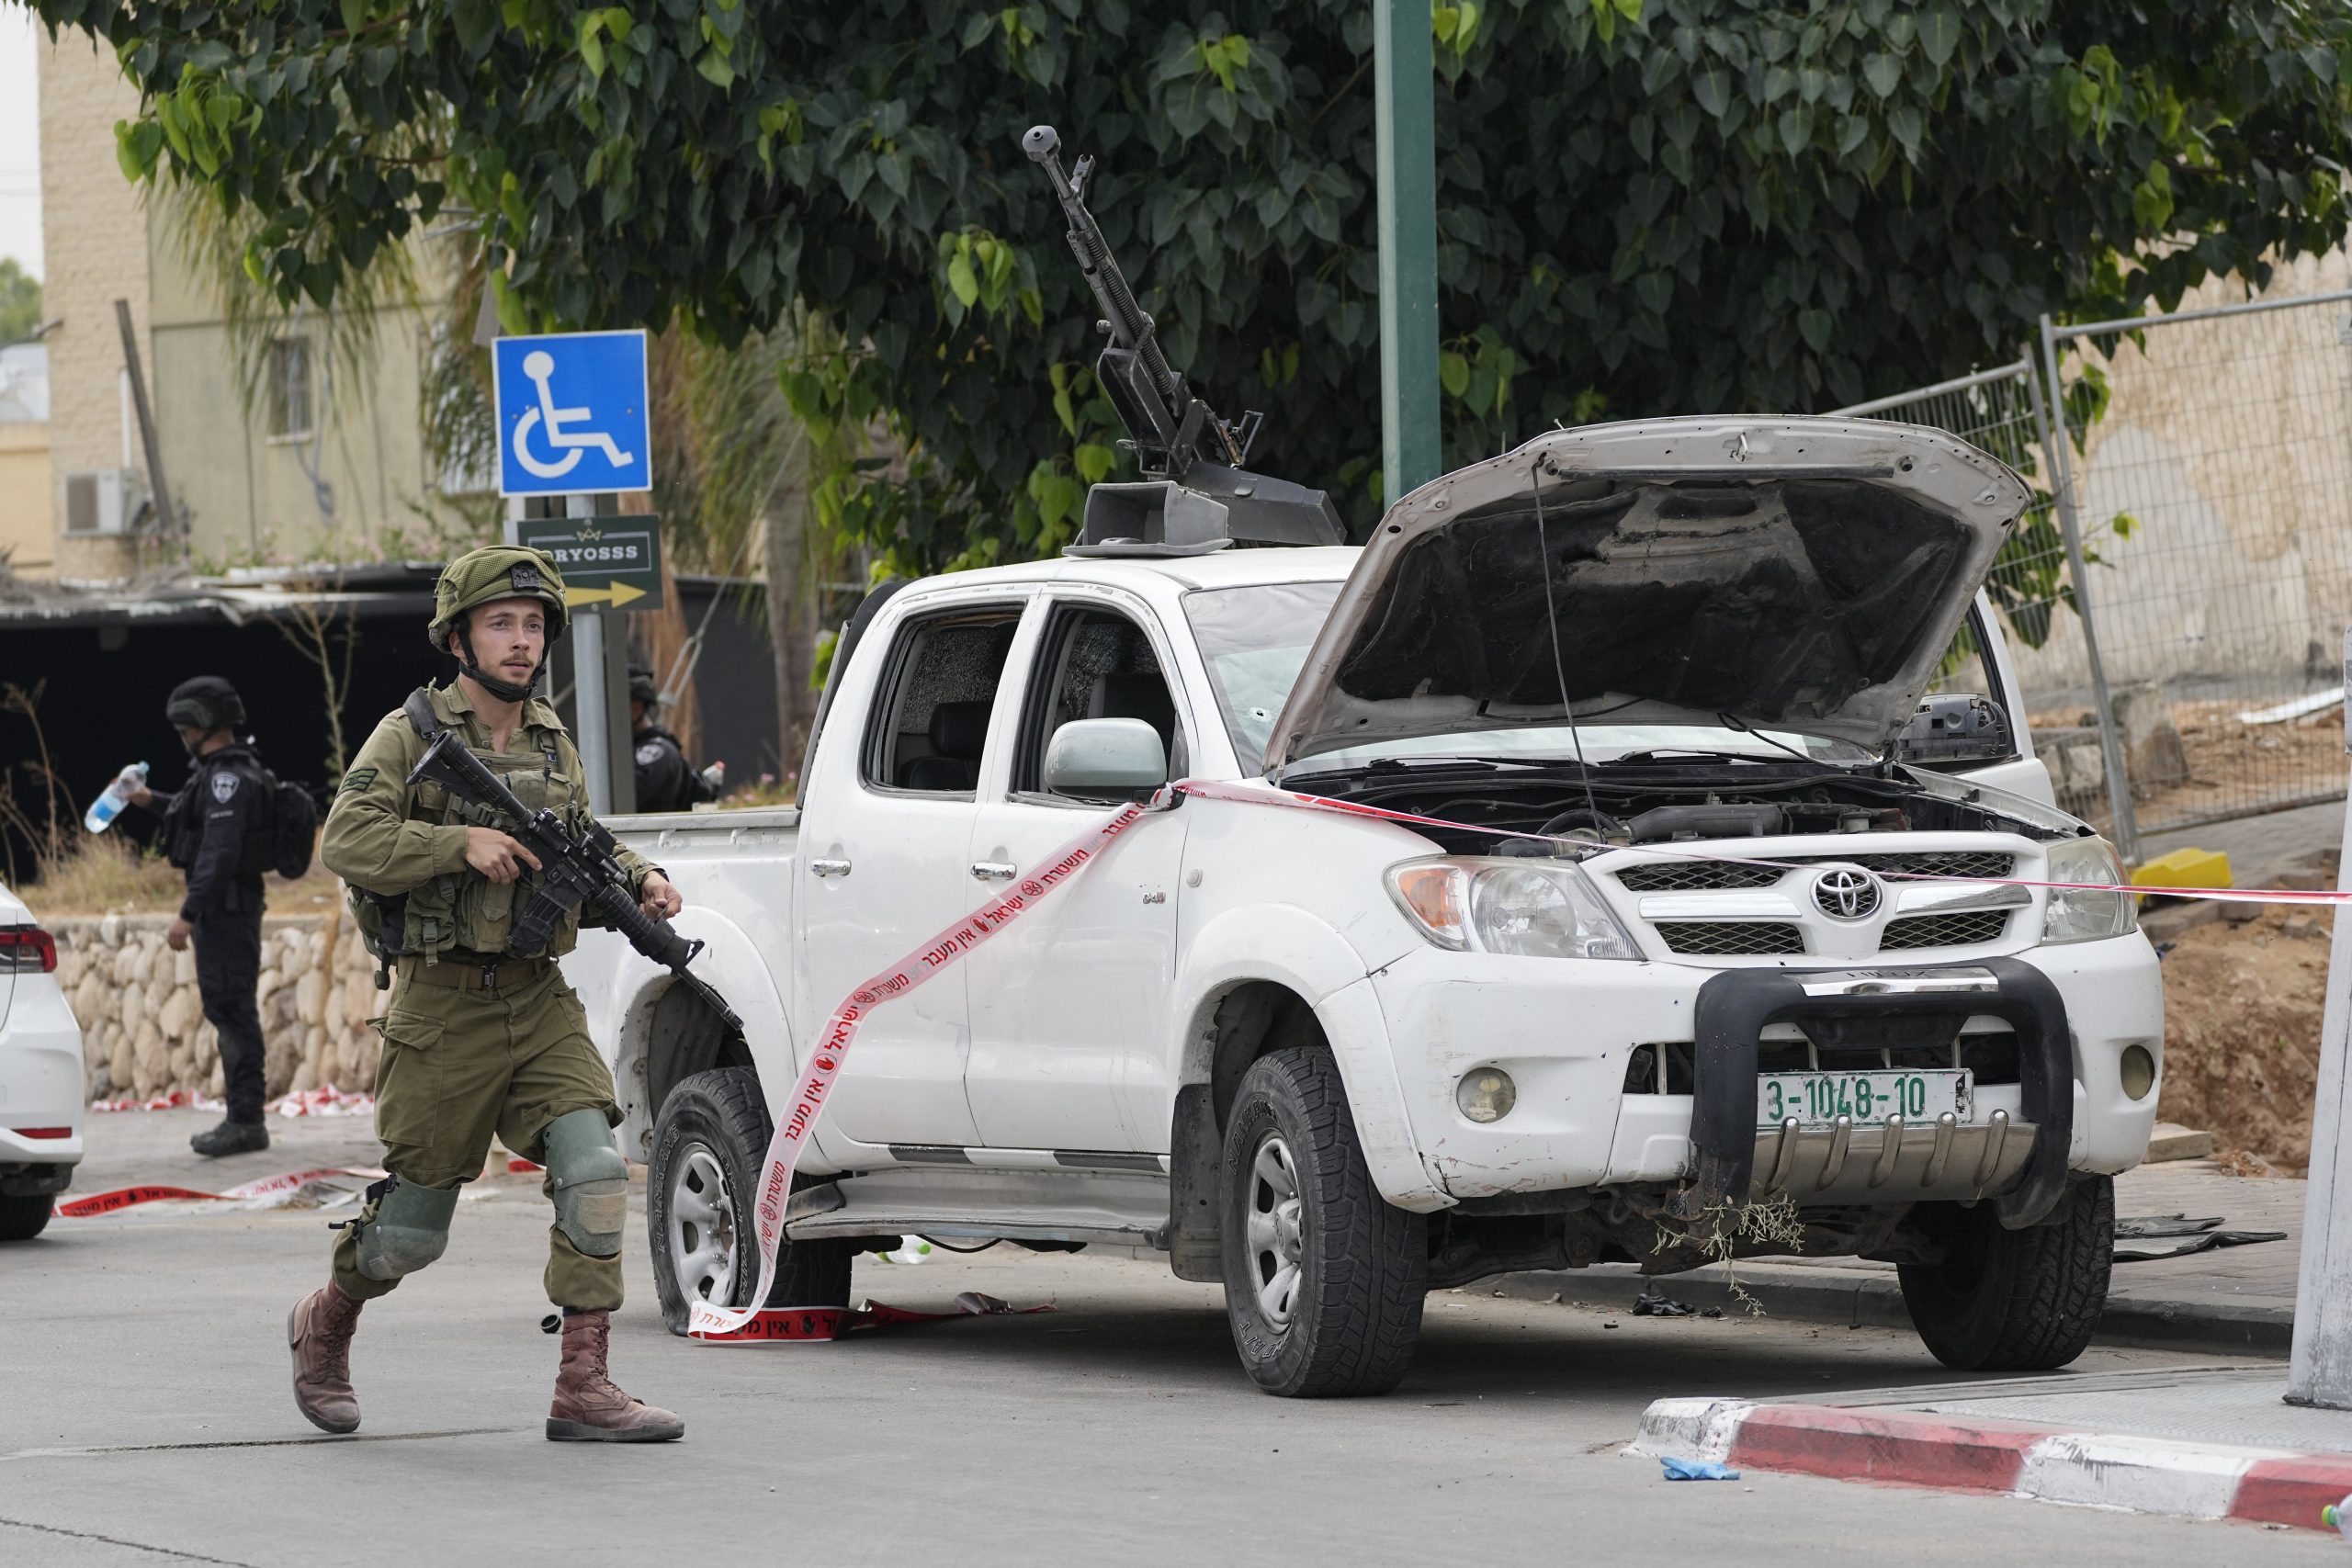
(708, 1148)
(1323, 1276)
(2005, 1301)
(21, 1219)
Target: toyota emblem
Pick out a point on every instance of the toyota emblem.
(1846, 894)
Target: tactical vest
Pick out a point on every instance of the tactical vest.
(464, 909)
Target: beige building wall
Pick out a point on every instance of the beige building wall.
(94, 236)
(349, 491)
(26, 542)
(2228, 444)
(357, 489)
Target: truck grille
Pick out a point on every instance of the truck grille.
(1709, 876)
(1965, 929)
(1730, 939)
(1696, 876)
(1940, 862)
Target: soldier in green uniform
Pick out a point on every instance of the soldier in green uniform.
(476, 1041)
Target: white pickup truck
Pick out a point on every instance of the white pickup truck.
(1723, 937)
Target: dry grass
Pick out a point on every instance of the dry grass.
(100, 875)
(1716, 1233)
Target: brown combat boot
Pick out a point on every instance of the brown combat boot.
(588, 1408)
(319, 1332)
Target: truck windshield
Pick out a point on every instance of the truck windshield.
(1254, 641)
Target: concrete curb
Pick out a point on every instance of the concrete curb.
(1899, 1448)
(2186, 1318)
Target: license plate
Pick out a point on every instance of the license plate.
(1816, 1099)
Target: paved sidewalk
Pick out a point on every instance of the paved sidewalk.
(2237, 1300)
(2206, 1443)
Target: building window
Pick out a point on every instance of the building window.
(289, 389)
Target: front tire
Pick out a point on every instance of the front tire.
(1323, 1276)
(2005, 1301)
(708, 1148)
(21, 1219)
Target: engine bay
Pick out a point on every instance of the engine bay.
(1652, 804)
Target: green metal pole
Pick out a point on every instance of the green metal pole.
(1404, 98)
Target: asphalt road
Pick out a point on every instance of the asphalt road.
(145, 1420)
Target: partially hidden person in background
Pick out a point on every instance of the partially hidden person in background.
(665, 780)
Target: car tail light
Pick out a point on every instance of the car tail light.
(27, 950)
(42, 1132)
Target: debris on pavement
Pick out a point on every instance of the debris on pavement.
(1696, 1469)
(1648, 1305)
(2178, 1235)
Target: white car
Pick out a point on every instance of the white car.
(41, 1076)
(1759, 954)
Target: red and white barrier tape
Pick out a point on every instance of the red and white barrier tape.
(328, 1100)
(706, 1322)
(1267, 796)
(267, 1187)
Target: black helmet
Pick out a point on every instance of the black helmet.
(642, 688)
(206, 703)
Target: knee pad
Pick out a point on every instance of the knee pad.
(410, 1229)
(589, 1181)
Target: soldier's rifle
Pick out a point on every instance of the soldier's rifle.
(575, 870)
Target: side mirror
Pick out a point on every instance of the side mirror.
(1098, 756)
(1957, 727)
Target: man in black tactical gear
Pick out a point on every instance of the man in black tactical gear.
(210, 830)
(665, 780)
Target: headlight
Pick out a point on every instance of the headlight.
(2076, 915)
(1531, 908)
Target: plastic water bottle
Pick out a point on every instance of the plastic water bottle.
(114, 797)
(2337, 1517)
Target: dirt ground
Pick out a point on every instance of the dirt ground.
(2242, 1030)
(2234, 767)
(2232, 763)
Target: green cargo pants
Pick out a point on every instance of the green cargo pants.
(463, 1058)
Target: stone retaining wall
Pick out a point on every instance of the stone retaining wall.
(142, 1024)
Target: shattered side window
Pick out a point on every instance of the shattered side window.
(929, 731)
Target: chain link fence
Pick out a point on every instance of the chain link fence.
(2174, 598)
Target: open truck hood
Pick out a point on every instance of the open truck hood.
(1799, 574)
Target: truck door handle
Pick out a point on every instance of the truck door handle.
(994, 870)
(829, 867)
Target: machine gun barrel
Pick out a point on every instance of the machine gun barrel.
(1130, 328)
(1169, 428)
(573, 870)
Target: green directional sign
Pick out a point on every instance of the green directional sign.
(611, 561)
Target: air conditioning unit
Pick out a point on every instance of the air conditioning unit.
(104, 503)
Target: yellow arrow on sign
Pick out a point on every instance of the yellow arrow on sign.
(618, 594)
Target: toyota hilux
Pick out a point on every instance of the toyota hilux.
(1592, 867)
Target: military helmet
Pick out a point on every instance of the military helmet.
(642, 688)
(486, 575)
(206, 703)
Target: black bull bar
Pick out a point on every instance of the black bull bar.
(1918, 1002)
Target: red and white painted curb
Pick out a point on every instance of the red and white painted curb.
(1897, 1448)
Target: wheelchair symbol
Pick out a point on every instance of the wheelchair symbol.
(538, 365)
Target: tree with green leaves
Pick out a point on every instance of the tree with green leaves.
(1645, 206)
(20, 302)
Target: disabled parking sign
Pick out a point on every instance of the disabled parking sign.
(571, 414)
